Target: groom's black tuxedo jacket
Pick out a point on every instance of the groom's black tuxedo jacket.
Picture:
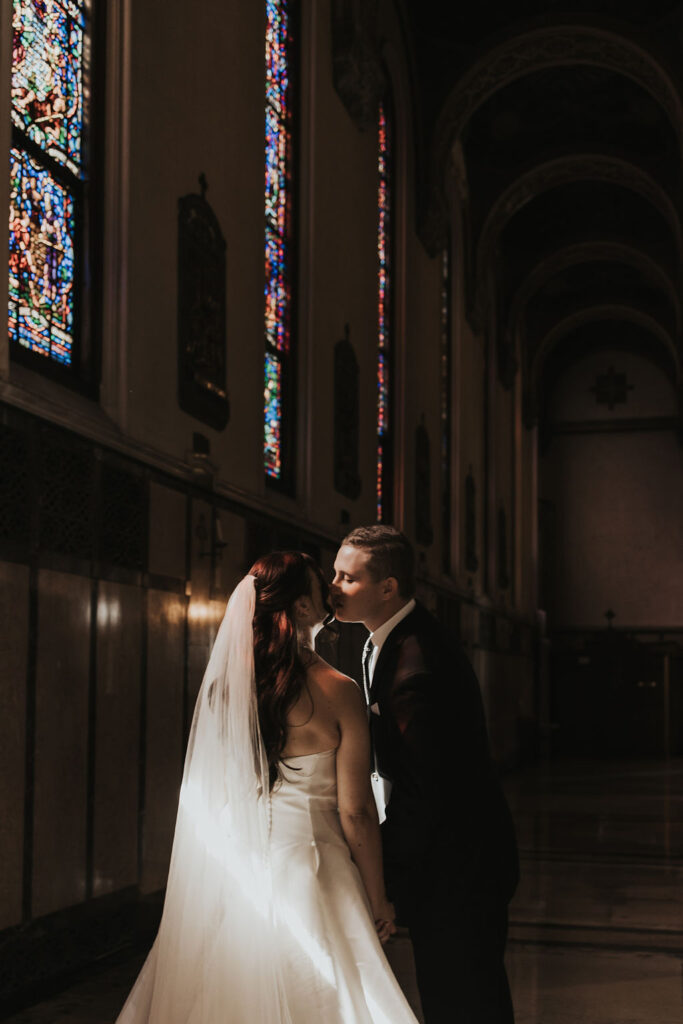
(448, 827)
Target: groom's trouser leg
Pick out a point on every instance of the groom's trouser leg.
(459, 964)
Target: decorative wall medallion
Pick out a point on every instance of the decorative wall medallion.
(424, 534)
(201, 311)
(611, 388)
(346, 418)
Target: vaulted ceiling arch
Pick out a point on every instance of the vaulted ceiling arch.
(590, 252)
(554, 46)
(602, 314)
(568, 170)
(523, 54)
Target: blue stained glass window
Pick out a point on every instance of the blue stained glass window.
(278, 230)
(50, 109)
(273, 408)
(48, 65)
(41, 262)
(384, 270)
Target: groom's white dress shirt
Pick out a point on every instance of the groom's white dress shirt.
(378, 638)
(381, 787)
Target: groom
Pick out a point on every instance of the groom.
(449, 845)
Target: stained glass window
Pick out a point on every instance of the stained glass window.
(50, 101)
(48, 76)
(278, 237)
(41, 260)
(384, 326)
(445, 408)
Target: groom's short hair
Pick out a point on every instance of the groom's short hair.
(390, 554)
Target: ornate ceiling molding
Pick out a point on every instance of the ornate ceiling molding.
(553, 46)
(556, 46)
(562, 171)
(589, 252)
(599, 314)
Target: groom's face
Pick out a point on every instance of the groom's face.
(355, 595)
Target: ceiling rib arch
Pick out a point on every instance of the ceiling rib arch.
(523, 54)
(567, 170)
(597, 314)
(589, 252)
(555, 46)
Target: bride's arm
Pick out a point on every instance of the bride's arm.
(357, 809)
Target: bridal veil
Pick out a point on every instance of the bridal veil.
(215, 956)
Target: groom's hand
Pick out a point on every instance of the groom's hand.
(385, 921)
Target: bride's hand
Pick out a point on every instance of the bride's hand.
(385, 920)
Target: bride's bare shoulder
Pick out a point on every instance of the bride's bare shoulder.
(334, 683)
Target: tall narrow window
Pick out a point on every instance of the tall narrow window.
(445, 408)
(49, 165)
(384, 317)
(278, 434)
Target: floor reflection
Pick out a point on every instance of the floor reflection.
(596, 930)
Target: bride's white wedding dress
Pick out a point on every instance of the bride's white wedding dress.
(330, 964)
(335, 970)
(265, 918)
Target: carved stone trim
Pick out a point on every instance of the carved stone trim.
(357, 71)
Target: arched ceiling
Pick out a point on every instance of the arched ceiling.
(568, 124)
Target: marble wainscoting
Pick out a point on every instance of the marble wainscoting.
(14, 612)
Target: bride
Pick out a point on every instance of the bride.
(275, 908)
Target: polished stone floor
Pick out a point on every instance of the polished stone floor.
(596, 931)
(597, 924)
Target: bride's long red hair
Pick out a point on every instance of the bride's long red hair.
(281, 578)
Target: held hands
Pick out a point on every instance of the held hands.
(385, 920)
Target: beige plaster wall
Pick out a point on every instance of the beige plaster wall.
(618, 498)
(197, 78)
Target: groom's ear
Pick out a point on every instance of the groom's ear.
(390, 587)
